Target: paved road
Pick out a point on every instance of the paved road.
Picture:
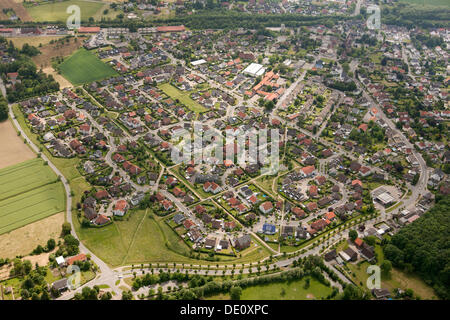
(104, 270)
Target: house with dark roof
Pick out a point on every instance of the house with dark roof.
(381, 293)
(60, 285)
(330, 255)
(242, 242)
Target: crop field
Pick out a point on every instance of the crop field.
(183, 97)
(23, 240)
(24, 177)
(54, 12)
(84, 67)
(28, 192)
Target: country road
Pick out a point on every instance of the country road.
(104, 269)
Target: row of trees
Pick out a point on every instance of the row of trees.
(3, 109)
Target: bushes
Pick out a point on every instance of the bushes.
(66, 228)
(3, 109)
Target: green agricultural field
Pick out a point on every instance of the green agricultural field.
(24, 177)
(28, 192)
(183, 97)
(84, 67)
(53, 12)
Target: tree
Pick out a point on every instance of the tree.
(27, 266)
(106, 296)
(386, 267)
(235, 293)
(66, 228)
(353, 235)
(127, 295)
(51, 244)
(3, 109)
(352, 292)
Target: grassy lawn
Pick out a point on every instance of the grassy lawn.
(397, 278)
(84, 67)
(183, 97)
(28, 192)
(265, 183)
(57, 11)
(393, 207)
(144, 239)
(294, 290)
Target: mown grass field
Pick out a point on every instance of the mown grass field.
(294, 290)
(143, 238)
(53, 12)
(84, 67)
(183, 97)
(28, 192)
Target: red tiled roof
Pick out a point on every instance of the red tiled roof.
(171, 28)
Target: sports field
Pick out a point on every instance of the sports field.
(53, 12)
(84, 67)
(183, 97)
(29, 192)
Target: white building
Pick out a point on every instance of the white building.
(254, 70)
(198, 62)
(60, 261)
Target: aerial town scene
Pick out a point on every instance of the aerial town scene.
(224, 150)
